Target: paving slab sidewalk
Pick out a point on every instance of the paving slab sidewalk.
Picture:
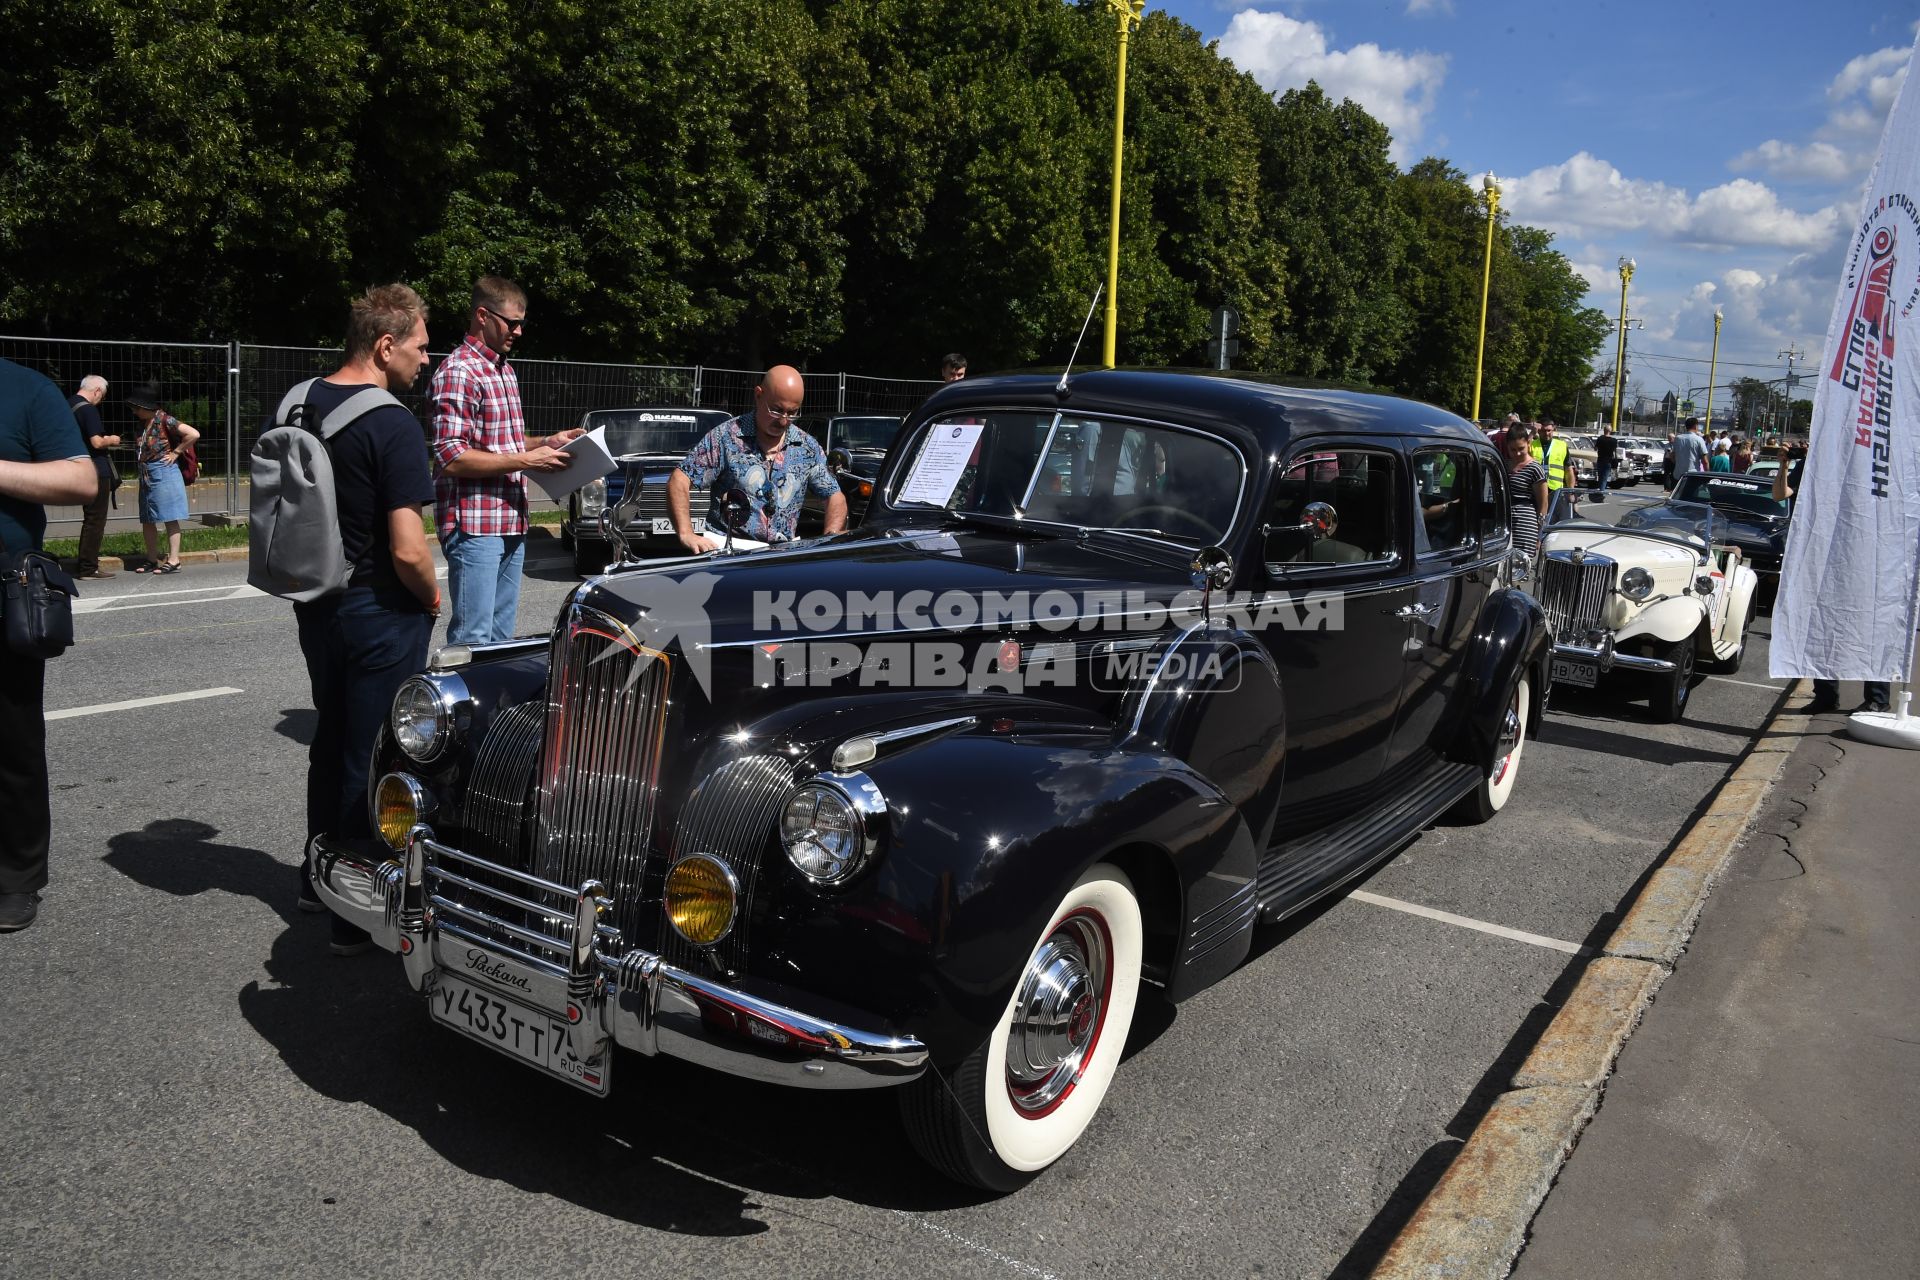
(1764, 1120)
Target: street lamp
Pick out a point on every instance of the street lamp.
(1129, 12)
(1620, 360)
(1491, 186)
(1713, 369)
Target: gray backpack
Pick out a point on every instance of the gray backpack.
(293, 517)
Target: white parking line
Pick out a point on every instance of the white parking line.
(1447, 917)
(200, 595)
(130, 703)
(1751, 684)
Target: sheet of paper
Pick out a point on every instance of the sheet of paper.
(587, 459)
(942, 458)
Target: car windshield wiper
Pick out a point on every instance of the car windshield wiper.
(1005, 524)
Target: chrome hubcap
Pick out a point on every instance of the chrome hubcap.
(1058, 1013)
(1509, 739)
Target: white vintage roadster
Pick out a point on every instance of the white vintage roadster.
(1639, 595)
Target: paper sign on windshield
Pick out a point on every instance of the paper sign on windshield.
(942, 458)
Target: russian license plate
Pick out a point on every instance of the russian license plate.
(1573, 671)
(663, 526)
(517, 1031)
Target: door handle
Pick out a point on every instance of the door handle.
(1416, 612)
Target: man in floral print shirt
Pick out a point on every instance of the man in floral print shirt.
(480, 449)
(770, 460)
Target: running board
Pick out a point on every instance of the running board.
(1294, 874)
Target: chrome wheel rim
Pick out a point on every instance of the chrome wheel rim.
(1059, 1013)
(1509, 739)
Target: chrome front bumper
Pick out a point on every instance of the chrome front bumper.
(1608, 660)
(603, 990)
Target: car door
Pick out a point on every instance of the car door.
(1460, 535)
(1341, 681)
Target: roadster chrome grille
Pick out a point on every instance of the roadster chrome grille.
(599, 765)
(1574, 591)
(500, 793)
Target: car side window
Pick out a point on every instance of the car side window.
(1493, 501)
(1362, 486)
(1444, 482)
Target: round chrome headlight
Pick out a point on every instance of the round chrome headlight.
(1636, 583)
(422, 718)
(823, 833)
(593, 499)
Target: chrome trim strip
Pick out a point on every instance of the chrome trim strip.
(893, 737)
(528, 936)
(532, 882)
(546, 967)
(1039, 465)
(1146, 694)
(526, 904)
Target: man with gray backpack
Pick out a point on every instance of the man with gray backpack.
(340, 478)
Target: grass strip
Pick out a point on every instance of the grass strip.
(203, 538)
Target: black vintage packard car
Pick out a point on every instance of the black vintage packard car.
(648, 443)
(1117, 667)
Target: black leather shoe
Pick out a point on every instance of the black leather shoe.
(17, 910)
(1871, 704)
(1821, 707)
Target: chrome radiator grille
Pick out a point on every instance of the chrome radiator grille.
(733, 814)
(1574, 592)
(501, 788)
(650, 504)
(599, 765)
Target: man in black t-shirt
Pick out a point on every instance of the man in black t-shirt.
(93, 523)
(1604, 450)
(42, 461)
(362, 643)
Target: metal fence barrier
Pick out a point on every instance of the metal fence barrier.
(229, 390)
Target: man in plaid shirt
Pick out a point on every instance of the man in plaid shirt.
(480, 448)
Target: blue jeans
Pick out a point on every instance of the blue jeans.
(1603, 472)
(483, 585)
(359, 652)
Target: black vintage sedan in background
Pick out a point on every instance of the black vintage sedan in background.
(1750, 518)
(1117, 667)
(856, 445)
(648, 443)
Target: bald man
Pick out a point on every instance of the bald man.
(765, 456)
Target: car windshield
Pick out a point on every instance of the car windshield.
(862, 433)
(1732, 493)
(1690, 520)
(653, 430)
(1087, 472)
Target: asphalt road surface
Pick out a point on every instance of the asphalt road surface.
(195, 1086)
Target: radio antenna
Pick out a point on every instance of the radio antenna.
(1062, 385)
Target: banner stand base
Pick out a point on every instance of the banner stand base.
(1888, 728)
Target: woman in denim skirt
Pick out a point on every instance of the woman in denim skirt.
(163, 493)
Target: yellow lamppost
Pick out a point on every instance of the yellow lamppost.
(1713, 369)
(1491, 186)
(1129, 12)
(1620, 360)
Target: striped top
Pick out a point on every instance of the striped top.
(1524, 517)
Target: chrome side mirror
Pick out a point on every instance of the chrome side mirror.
(1214, 568)
(839, 460)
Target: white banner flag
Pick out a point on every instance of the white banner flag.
(1852, 571)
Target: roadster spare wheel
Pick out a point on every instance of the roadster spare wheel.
(1019, 1101)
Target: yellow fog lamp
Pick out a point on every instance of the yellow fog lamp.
(702, 897)
(400, 804)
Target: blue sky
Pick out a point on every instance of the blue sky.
(1724, 146)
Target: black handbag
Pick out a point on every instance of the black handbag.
(38, 603)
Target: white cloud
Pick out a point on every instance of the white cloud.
(1863, 93)
(1396, 88)
(1586, 195)
(1417, 7)
(1813, 162)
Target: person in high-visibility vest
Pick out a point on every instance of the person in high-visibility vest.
(1551, 452)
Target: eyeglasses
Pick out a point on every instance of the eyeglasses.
(513, 326)
(781, 415)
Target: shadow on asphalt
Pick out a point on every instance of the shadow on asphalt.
(1630, 745)
(298, 724)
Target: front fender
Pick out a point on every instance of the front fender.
(1670, 621)
(1510, 638)
(985, 835)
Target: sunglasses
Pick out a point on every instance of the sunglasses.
(513, 326)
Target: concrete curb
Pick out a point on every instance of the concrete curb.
(1473, 1223)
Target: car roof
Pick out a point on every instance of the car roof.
(1262, 413)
